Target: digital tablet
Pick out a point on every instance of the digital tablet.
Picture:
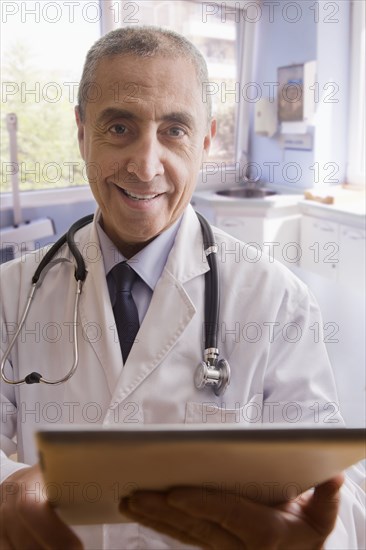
(88, 471)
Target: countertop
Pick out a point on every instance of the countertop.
(350, 207)
(271, 201)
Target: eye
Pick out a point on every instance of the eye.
(176, 131)
(118, 129)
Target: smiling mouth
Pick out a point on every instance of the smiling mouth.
(136, 197)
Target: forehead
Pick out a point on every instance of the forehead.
(146, 84)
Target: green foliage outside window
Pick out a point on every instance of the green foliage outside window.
(48, 154)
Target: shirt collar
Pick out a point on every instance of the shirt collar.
(149, 263)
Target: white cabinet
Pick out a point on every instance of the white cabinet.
(328, 240)
(277, 237)
(319, 246)
(352, 256)
(271, 224)
(249, 230)
(334, 250)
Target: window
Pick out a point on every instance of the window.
(356, 173)
(42, 54)
(43, 49)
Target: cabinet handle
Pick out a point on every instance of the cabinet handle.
(232, 224)
(325, 228)
(353, 236)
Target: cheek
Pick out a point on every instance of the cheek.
(185, 181)
(186, 165)
(102, 164)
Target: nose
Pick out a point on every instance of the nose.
(146, 160)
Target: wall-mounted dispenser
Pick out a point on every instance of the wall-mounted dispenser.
(296, 104)
(296, 92)
(265, 117)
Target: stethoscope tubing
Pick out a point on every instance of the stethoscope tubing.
(37, 279)
(212, 303)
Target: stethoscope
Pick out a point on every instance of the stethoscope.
(210, 372)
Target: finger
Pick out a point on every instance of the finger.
(178, 524)
(161, 528)
(245, 519)
(322, 508)
(46, 527)
(156, 525)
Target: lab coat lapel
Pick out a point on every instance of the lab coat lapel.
(170, 310)
(96, 313)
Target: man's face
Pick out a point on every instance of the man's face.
(143, 140)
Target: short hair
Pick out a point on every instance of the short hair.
(142, 41)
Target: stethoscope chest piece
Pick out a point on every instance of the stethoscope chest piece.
(217, 376)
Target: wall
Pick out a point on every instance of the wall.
(295, 33)
(333, 55)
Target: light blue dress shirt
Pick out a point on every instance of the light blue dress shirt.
(148, 264)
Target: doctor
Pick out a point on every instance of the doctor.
(144, 130)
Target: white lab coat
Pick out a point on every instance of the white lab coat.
(278, 371)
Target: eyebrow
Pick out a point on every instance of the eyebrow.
(180, 116)
(111, 113)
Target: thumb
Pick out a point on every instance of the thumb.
(322, 508)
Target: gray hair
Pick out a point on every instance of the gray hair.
(142, 41)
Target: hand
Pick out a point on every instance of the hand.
(230, 522)
(28, 521)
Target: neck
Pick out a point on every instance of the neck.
(128, 249)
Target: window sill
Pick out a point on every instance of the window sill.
(48, 197)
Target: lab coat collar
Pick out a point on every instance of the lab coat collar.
(187, 258)
(170, 311)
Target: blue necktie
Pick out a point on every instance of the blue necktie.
(125, 310)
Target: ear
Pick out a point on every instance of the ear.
(208, 139)
(81, 130)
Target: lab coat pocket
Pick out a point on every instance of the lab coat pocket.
(207, 412)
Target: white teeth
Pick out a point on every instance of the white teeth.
(139, 197)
